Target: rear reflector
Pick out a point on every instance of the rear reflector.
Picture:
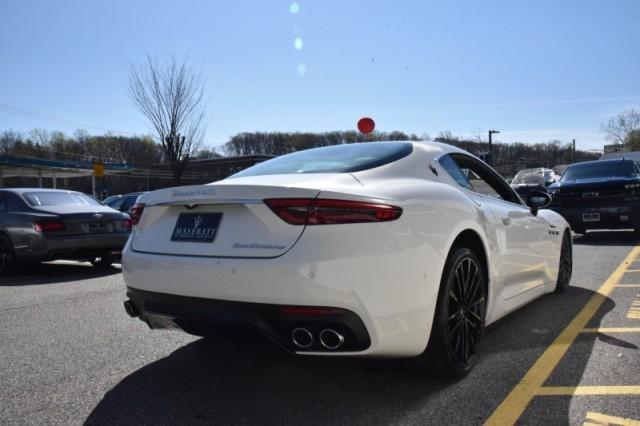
(308, 311)
(136, 212)
(49, 225)
(312, 211)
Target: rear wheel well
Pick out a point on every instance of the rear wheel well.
(471, 240)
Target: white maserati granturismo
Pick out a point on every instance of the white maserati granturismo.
(394, 249)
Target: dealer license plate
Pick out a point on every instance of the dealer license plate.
(196, 227)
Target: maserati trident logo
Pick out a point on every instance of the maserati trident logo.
(197, 221)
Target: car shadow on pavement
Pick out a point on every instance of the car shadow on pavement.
(256, 383)
(56, 272)
(221, 382)
(607, 238)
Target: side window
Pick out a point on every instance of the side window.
(454, 171)
(479, 185)
(3, 203)
(117, 203)
(477, 177)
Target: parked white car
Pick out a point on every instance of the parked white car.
(393, 249)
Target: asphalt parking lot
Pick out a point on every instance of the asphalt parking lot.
(69, 354)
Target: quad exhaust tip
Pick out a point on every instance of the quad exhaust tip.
(302, 338)
(331, 339)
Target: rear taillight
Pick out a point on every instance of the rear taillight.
(49, 225)
(127, 224)
(310, 211)
(136, 212)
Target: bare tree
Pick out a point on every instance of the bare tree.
(620, 126)
(632, 140)
(171, 96)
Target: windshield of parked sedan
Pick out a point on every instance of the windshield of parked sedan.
(529, 177)
(36, 199)
(334, 159)
(622, 169)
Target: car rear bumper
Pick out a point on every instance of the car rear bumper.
(391, 287)
(45, 247)
(616, 217)
(208, 317)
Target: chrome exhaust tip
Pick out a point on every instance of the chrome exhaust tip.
(302, 338)
(331, 339)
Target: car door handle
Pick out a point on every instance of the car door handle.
(506, 221)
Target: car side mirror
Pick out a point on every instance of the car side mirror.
(538, 200)
(549, 182)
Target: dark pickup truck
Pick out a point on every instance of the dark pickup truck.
(603, 194)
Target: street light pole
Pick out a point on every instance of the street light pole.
(491, 132)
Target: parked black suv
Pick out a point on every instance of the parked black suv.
(603, 194)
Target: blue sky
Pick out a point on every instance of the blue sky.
(536, 70)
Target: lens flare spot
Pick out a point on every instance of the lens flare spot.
(294, 8)
(298, 43)
(302, 69)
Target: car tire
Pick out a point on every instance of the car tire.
(8, 262)
(566, 263)
(459, 319)
(103, 261)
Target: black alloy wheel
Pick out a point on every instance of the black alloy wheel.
(466, 311)
(7, 256)
(460, 315)
(566, 263)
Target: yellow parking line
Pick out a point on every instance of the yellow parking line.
(612, 330)
(632, 270)
(588, 390)
(628, 285)
(603, 419)
(510, 410)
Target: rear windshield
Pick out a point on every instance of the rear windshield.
(36, 199)
(332, 159)
(622, 169)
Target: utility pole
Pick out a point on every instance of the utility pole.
(573, 150)
(491, 132)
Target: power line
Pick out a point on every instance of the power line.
(38, 116)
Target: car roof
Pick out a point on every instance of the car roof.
(611, 161)
(23, 190)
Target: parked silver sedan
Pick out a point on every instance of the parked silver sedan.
(48, 224)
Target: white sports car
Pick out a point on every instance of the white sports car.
(392, 249)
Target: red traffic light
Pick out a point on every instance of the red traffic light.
(366, 125)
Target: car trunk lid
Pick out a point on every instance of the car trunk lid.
(78, 220)
(227, 220)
